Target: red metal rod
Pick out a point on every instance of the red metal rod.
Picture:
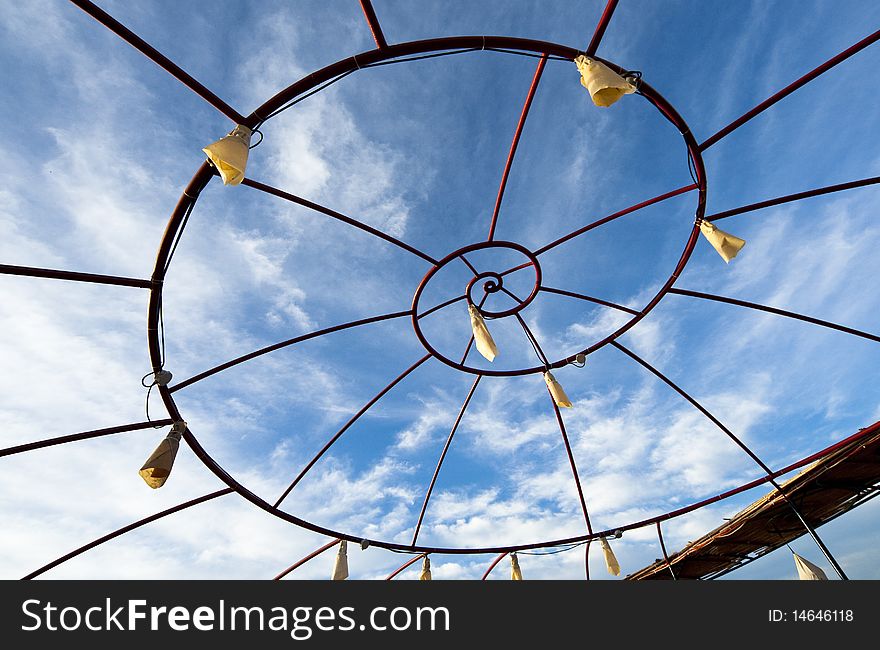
(283, 344)
(468, 264)
(406, 565)
(767, 103)
(742, 446)
(494, 564)
(513, 145)
(287, 196)
(616, 215)
(373, 22)
(125, 529)
(60, 440)
(158, 58)
(34, 272)
(778, 312)
(308, 557)
(793, 197)
(467, 400)
(598, 301)
(665, 554)
(345, 427)
(524, 265)
(601, 27)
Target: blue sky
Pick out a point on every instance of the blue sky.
(100, 143)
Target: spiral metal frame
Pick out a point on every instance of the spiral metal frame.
(385, 52)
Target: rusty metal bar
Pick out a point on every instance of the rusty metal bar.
(616, 215)
(373, 22)
(742, 446)
(86, 435)
(794, 197)
(778, 312)
(283, 344)
(125, 529)
(513, 145)
(158, 58)
(287, 196)
(406, 565)
(601, 27)
(464, 406)
(345, 427)
(308, 557)
(598, 301)
(34, 272)
(767, 103)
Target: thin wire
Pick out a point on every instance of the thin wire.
(554, 552)
(161, 333)
(306, 96)
(691, 169)
(180, 230)
(528, 54)
(420, 57)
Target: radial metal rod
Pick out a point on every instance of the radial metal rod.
(125, 529)
(616, 215)
(373, 22)
(778, 312)
(76, 276)
(742, 446)
(345, 427)
(308, 557)
(406, 565)
(467, 401)
(284, 344)
(793, 197)
(442, 305)
(604, 20)
(577, 479)
(598, 301)
(86, 435)
(494, 564)
(293, 198)
(513, 145)
(158, 58)
(767, 103)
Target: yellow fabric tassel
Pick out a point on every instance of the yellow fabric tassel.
(726, 244)
(807, 570)
(515, 573)
(605, 85)
(230, 154)
(610, 561)
(485, 344)
(340, 567)
(426, 569)
(157, 469)
(556, 391)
